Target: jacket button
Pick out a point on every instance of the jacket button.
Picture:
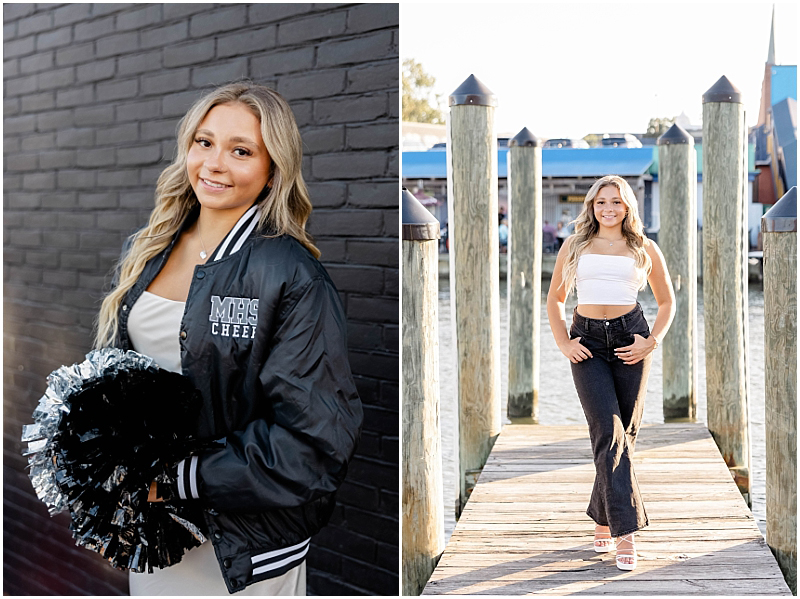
(217, 535)
(200, 274)
(183, 334)
(234, 582)
(226, 562)
(124, 307)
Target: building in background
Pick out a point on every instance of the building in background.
(567, 174)
(93, 94)
(569, 167)
(776, 132)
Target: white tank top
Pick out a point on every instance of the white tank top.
(154, 325)
(608, 280)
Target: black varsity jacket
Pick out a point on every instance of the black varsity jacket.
(263, 337)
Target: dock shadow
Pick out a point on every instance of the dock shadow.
(583, 555)
(725, 580)
(651, 436)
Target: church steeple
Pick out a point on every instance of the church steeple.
(766, 87)
(771, 52)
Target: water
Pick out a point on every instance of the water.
(558, 401)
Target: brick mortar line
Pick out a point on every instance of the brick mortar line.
(315, 43)
(172, 20)
(36, 567)
(369, 565)
(74, 65)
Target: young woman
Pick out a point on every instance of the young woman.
(223, 285)
(608, 260)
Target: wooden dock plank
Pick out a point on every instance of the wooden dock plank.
(525, 530)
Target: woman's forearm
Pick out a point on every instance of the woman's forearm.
(558, 321)
(666, 312)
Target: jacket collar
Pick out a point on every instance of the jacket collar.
(238, 234)
(232, 242)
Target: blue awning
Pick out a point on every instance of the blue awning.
(556, 162)
(594, 162)
(431, 164)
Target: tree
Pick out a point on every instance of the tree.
(593, 139)
(417, 91)
(658, 126)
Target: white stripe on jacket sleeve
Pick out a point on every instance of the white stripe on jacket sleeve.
(276, 552)
(275, 565)
(187, 479)
(181, 494)
(193, 478)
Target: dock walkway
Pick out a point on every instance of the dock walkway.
(524, 529)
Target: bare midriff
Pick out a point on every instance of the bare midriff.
(600, 311)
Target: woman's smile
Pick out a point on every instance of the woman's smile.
(213, 185)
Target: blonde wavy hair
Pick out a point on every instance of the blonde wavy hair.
(587, 227)
(285, 205)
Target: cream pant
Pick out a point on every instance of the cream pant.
(198, 574)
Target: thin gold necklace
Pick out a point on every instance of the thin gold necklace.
(610, 243)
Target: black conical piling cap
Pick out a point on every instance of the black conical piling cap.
(472, 91)
(675, 135)
(418, 223)
(525, 139)
(782, 217)
(723, 91)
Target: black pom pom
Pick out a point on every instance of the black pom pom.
(109, 427)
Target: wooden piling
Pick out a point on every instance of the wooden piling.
(423, 509)
(677, 180)
(779, 230)
(723, 273)
(524, 274)
(474, 273)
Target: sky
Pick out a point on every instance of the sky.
(570, 69)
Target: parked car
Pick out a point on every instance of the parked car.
(563, 142)
(621, 141)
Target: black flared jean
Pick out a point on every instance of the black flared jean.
(612, 395)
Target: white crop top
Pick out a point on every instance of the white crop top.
(608, 280)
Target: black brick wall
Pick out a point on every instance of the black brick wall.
(93, 94)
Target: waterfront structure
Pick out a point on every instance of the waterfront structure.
(568, 173)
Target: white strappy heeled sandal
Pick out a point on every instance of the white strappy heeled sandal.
(627, 559)
(603, 543)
